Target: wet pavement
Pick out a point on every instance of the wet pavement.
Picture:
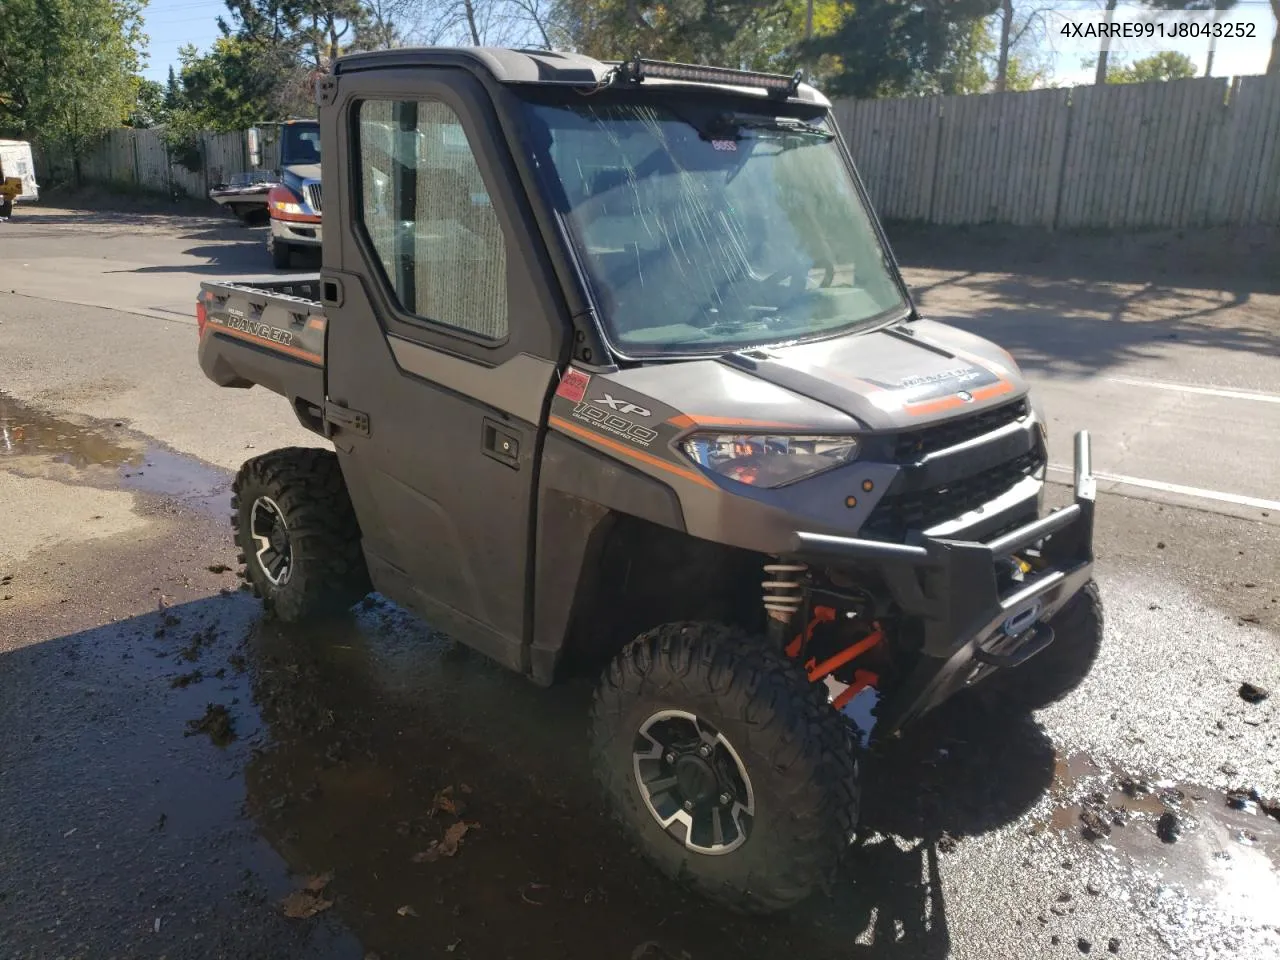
(177, 774)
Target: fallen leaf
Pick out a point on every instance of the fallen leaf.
(407, 911)
(453, 946)
(304, 903)
(447, 847)
(443, 802)
(318, 882)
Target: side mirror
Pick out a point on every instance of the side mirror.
(255, 148)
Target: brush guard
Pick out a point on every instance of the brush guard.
(971, 626)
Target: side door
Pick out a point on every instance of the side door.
(446, 331)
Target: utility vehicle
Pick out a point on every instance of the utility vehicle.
(620, 374)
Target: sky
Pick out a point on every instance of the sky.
(173, 23)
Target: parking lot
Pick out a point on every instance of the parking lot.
(172, 766)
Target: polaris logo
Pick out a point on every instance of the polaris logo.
(623, 406)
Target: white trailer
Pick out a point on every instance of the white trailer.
(17, 175)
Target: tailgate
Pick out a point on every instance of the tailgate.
(271, 335)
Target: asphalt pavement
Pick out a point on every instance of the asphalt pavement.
(173, 767)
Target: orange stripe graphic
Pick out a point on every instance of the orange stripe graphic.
(947, 403)
(263, 341)
(622, 448)
(698, 420)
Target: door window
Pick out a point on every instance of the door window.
(428, 216)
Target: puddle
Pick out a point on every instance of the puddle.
(1222, 848)
(103, 453)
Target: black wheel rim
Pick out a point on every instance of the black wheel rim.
(269, 532)
(694, 782)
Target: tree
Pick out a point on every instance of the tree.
(1165, 65)
(752, 34)
(1273, 64)
(151, 108)
(238, 83)
(1102, 74)
(896, 47)
(1024, 53)
(68, 69)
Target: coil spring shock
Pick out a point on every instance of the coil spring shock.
(783, 591)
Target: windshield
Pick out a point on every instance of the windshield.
(705, 232)
(301, 144)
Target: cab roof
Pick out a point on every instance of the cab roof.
(552, 68)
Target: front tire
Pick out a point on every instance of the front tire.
(6, 209)
(298, 535)
(281, 254)
(695, 718)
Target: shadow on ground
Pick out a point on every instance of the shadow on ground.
(1238, 259)
(374, 723)
(1078, 305)
(1042, 324)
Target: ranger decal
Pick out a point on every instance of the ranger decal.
(254, 328)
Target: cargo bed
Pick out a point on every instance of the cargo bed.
(270, 333)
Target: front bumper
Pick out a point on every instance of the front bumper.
(295, 233)
(972, 624)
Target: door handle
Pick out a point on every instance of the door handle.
(501, 443)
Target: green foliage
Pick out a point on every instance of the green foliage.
(68, 69)
(898, 47)
(748, 34)
(264, 65)
(1165, 65)
(150, 109)
(1022, 76)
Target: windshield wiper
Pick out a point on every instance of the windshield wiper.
(780, 125)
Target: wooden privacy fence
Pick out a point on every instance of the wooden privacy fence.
(1182, 153)
(142, 159)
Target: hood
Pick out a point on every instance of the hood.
(898, 378)
(301, 172)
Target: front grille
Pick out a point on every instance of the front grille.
(910, 447)
(897, 514)
(313, 196)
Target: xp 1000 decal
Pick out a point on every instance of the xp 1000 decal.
(603, 418)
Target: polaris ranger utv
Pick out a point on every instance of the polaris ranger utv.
(619, 373)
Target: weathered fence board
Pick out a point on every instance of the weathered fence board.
(1200, 152)
(141, 158)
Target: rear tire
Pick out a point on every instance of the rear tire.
(6, 209)
(298, 535)
(794, 757)
(1055, 672)
(281, 254)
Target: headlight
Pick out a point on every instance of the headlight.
(768, 461)
(283, 200)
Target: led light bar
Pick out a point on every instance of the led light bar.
(638, 69)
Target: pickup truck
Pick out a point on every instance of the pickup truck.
(621, 376)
